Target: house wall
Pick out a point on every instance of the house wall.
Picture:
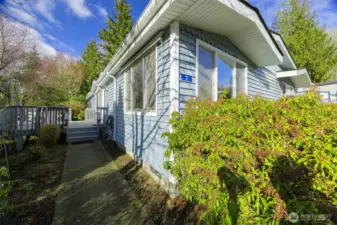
(328, 87)
(109, 96)
(141, 135)
(261, 81)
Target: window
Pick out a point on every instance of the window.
(206, 70)
(225, 72)
(217, 71)
(150, 81)
(140, 84)
(287, 89)
(137, 85)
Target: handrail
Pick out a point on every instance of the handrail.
(26, 120)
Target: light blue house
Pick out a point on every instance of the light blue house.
(180, 49)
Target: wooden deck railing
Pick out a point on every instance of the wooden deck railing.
(98, 115)
(26, 120)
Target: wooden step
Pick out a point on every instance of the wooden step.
(82, 129)
(81, 133)
(82, 139)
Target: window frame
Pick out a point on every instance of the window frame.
(219, 53)
(146, 52)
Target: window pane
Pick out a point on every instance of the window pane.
(206, 68)
(240, 79)
(150, 81)
(224, 77)
(127, 90)
(137, 83)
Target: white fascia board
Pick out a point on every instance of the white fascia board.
(291, 73)
(300, 78)
(287, 56)
(88, 96)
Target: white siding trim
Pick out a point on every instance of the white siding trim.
(234, 94)
(246, 80)
(215, 77)
(197, 68)
(129, 68)
(174, 67)
(103, 97)
(174, 77)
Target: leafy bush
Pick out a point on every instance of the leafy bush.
(49, 133)
(36, 152)
(33, 153)
(255, 161)
(77, 106)
(4, 190)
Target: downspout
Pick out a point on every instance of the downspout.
(114, 102)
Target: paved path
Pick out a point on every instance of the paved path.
(93, 191)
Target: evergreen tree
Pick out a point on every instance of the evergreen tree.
(118, 26)
(92, 61)
(308, 43)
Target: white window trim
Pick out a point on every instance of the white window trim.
(129, 68)
(217, 52)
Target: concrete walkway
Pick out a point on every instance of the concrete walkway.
(93, 191)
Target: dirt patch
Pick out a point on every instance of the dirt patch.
(34, 188)
(162, 208)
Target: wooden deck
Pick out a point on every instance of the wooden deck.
(19, 121)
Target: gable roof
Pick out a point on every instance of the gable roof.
(238, 20)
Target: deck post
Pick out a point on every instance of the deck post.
(70, 115)
(18, 141)
(38, 120)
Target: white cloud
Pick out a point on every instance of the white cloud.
(79, 7)
(22, 15)
(37, 39)
(61, 44)
(101, 11)
(46, 9)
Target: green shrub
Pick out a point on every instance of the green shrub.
(5, 187)
(256, 161)
(33, 153)
(49, 133)
(37, 152)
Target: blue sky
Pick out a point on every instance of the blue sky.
(68, 25)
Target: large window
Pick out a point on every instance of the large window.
(218, 71)
(140, 84)
(206, 71)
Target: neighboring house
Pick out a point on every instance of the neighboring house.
(180, 49)
(328, 90)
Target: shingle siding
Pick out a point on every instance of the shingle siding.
(142, 135)
(109, 96)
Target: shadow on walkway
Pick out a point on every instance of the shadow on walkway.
(93, 191)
